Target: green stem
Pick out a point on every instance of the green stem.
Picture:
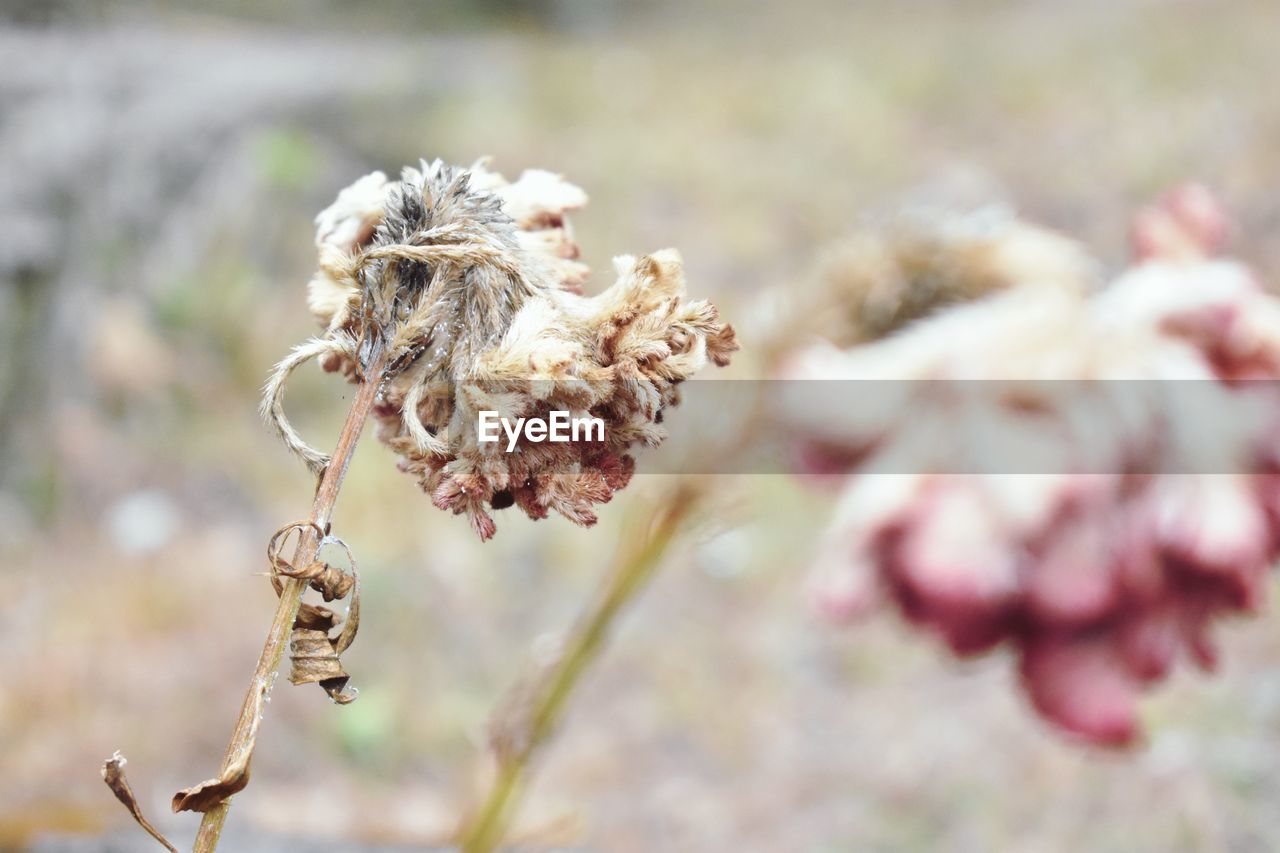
(634, 565)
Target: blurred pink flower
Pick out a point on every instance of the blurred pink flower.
(1163, 509)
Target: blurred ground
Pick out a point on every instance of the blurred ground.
(160, 168)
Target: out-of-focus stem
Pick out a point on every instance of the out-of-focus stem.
(291, 596)
(633, 566)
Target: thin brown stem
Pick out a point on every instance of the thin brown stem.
(242, 738)
(633, 566)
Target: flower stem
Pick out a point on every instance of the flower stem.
(242, 738)
(633, 566)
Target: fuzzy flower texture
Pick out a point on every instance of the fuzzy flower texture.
(473, 287)
(1158, 510)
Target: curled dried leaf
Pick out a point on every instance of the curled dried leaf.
(331, 582)
(113, 775)
(314, 654)
(235, 773)
(316, 661)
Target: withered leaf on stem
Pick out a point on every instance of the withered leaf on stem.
(113, 775)
(315, 655)
(331, 582)
(312, 652)
(235, 775)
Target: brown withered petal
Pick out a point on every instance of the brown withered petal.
(113, 775)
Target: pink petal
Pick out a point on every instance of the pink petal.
(1083, 687)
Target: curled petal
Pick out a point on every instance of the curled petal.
(272, 408)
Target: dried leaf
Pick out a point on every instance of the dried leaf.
(314, 654)
(113, 775)
(313, 617)
(315, 661)
(331, 582)
(235, 776)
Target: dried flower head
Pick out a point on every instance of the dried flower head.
(472, 284)
(1150, 519)
(914, 265)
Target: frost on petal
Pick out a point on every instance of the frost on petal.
(540, 198)
(349, 222)
(539, 202)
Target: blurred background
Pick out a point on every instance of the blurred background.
(160, 163)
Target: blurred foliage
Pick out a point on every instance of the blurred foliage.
(163, 162)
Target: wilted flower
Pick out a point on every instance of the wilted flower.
(472, 285)
(922, 262)
(1153, 507)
